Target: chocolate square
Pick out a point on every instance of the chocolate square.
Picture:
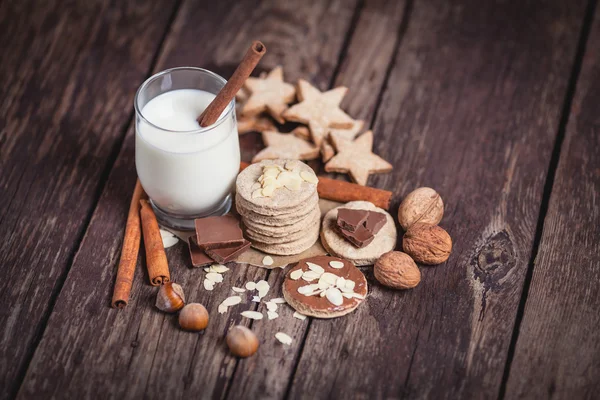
(349, 219)
(199, 258)
(218, 232)
(375, 221)
(360, 238)
(226, 254)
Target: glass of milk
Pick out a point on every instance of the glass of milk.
(187, 171)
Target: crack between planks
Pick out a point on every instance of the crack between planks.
(20, 378)
(402, 28)
(548, 185)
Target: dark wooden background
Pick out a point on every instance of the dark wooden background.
(493, 103)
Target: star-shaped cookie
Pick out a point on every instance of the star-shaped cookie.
(349, 134)
(320, 110)
(356, 158)
(285, 146)
(269, 94)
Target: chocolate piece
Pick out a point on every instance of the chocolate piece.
(360, 238)
(199, 259)
(375, 221)
(349, 219)
(218, 232)
(226, 254)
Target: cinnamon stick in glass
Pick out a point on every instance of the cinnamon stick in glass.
(156, 259)
(129, 251)
(212, 113)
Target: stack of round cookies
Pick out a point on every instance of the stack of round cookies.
(279, 206)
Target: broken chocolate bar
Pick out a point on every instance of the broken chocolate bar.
(360, 238)
(350, 219)
(199, 258)
(375, 221)
(226, 254)
(218, 232)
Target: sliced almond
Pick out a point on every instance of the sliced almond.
(309, 177)
(294, 186)
(267, 260)
(301, 317)
(206, 269)
(268, 190)
(232, 301)
(271, 173)
(214, 277)
(257, 193)
(272, 314)
(290, 165)
(334, 296)
(310, 276)
(315, 267)
(353, 295)
(278, 300)
(284, 338)
(341, 282)
(323, 284)
(295, 275)
(262, 284)
(252, 315)
(329, 278)
(323, 293)
(307, 289)
(250, 286)
(350, 284)
(271, 306)
(218, 268)
(238, 289)
(256, 299)
(169, 241)
(222, 309)
(336, 264)
(208, 285)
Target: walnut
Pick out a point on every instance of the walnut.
(397, 270)
(421, 205)
(427, 244)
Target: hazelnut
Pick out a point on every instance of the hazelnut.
(193, 317)
(421, 205)
(427, 244)
(397, 270)
(170, 298)
(242, 342)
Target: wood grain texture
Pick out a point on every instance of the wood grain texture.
(67, 78)
(558, 349)
(139, 352)
(471, 109)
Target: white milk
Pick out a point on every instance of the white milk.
(183, 170)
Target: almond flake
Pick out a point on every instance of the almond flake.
(271, 306)
(323, 293)
(334, 296)
(295, 275)
(309, 177)
(310, 276)
(206, 269)
(267, 191)
(290, 165)
(238, 290)
(271, 173)
(341, 282)
(222, 309)
(284, 338)
(257, 194)
(353, 295)
(272, 314)
(345, 289)
(214, 277)
(323, 285)
(278, 300)
(329, 278)
(262, 293)
(316, 292)
(218, 268)
(232, 301)
(350, 284)
(168, 239)
(209, 285)
(307, 288)
(336, 264)
(301, 317)
(268, 260)
(256, 299)
(315, 268)
(252, 314)
(250, 285)
(262, 284)
(294, 186)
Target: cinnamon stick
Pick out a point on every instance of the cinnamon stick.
(212, 113)
(129, 251)
(343, 192)
(156, 259)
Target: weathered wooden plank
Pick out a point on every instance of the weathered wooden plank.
(557, 354)
(471, 108)
(140, 352)
(363, 70)
(67, 78)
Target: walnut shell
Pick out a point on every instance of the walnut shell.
(421, 205)
(427, 244)
(397, 270)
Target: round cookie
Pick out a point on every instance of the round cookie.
(337, 245)
(290, 248)
(278, 219)
(283, 199)
(283, 238)
(315, 305)
(283, 230)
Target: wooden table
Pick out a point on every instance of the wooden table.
(493, 103)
